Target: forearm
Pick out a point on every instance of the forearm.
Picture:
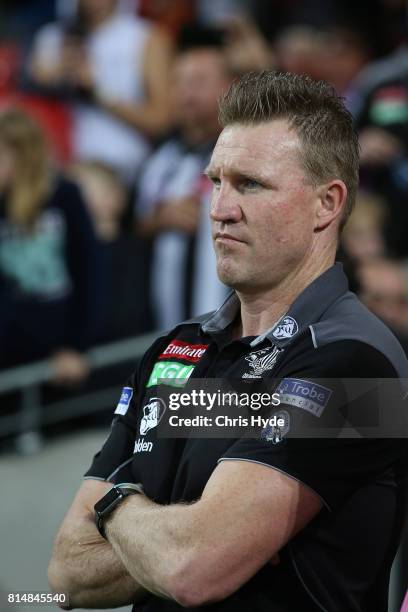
(157, 554)
(196, 553)
(87, 568)
(149, 119)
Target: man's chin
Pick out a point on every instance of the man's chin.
(231, 278)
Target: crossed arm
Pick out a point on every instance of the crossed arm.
(192, 553)
(83, 564)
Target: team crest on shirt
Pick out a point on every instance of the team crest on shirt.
(276, 433)
(261, 361)
(152, 415)
(286, 328)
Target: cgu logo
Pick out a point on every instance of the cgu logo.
(169, 373)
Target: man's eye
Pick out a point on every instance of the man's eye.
(215, 181)
(249, 184)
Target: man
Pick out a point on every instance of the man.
(253, 523)
(380, 108)
(172, 202)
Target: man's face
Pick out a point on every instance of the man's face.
(199, 79)
(262, 208)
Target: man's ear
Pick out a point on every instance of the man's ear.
(331, 203)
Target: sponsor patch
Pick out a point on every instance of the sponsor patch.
(124, 401)
(261, 361)
(276, 433)
(304, 394)
(286, 328)
(182, 350)
(175, 374)
(141, 446)
(152, 414)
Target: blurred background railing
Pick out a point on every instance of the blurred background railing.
(31, 416)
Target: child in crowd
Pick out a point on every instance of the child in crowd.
(125, 256)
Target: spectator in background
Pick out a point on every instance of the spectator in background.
(335, 54)
(50, 282)
(342, 54)
(245, 47)
(297, 51)
(381, 112)
(116, 68)
(125, 257)
(382, 286)
(363, 235)
(173, 198)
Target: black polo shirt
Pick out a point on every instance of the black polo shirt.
(341, 560)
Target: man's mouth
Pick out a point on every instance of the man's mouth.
(225, 237)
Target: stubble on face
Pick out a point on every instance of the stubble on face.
(272, 220)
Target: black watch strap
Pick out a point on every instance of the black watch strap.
(106, 505)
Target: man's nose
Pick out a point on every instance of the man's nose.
(224, 205)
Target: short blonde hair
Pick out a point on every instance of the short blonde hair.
(329, 142)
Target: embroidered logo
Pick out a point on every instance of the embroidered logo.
(287, 328)
(276, 433)
(261, 361)
(182, 350)
(152, 414)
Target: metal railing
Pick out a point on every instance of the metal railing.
(26, 422)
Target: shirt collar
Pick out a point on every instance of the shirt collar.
(308, 308)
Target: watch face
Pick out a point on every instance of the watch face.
(108, 500)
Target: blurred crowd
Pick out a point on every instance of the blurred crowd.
(108, 115)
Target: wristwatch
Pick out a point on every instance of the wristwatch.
(105, 506)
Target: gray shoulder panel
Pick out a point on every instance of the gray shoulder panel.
(199, 319)
(349, 319)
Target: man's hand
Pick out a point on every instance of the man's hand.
(83, 564)
(69, 367)
(75, 66)
(181, 214)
